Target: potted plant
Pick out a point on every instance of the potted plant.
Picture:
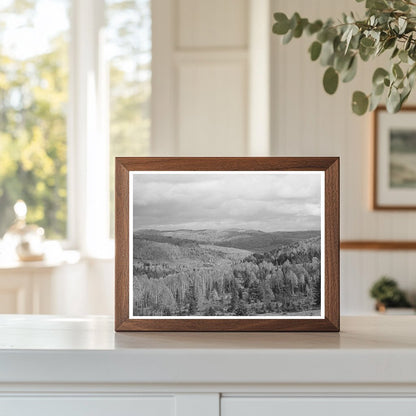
(387, 294)
(389, 27)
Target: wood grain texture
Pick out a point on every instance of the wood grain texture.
(332, 226)
(121, 244)
(376, 204)
(330, 165)
(378, 245)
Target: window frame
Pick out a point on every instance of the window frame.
(88, 136)
(87, 132)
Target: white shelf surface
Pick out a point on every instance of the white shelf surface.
(53, 349)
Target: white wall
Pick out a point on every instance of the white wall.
(308, 122)
(202, 84)
(211, 97)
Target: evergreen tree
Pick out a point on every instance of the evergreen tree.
(241, 309)
(234, 298)
(316, 292)
(191, 299)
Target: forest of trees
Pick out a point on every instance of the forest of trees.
(282, 281)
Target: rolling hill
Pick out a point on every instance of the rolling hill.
(190, 254)
(250, 240)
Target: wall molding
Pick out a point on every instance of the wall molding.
(378, 245)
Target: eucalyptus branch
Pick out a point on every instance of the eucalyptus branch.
(389, 25)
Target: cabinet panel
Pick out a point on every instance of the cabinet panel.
(16, 289)
(212, 24)
(88, 406)
(8, 301)
(266, 406)
(212, 108)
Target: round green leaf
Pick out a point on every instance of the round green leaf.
(378, 89)
(389, 43)
(397, 71)
(294, 20)
(327, 54)
(359, 103)
(376, 4)
(314, 27)
(315, 50)
(379, 75)
(395, 52)
(393, 101)
(330, 80)
(322, 36)
(404, 96)
(367, 42)
(374, 102)
(403, 56)
(351, 71)
(366, 53)
(298, 30)
(288, 37)
(282, 25)
(342, 61)
(408, 42)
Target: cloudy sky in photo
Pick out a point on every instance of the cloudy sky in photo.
(258, 201)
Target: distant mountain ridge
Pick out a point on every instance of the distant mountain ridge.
(251, 240)
(191, 255)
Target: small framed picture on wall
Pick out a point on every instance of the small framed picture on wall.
(394, 178)
(227, 244)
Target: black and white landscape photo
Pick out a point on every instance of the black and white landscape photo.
(226, 244)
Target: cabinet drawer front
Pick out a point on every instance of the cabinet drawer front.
(87, 406)
(267, 406)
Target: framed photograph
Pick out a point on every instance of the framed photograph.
(227, 244)
(394, 179)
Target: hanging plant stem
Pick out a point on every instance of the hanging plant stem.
(389, 26)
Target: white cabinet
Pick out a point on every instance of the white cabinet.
(203, 405)
(37, 287)
(26, 291)
(269, 406)
(88, 406)
(51, 365)
(67, 285)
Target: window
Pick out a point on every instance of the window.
(129, 46)
(75, 87)
(33, 98)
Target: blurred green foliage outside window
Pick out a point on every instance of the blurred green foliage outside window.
(34, 93)
(33, 101)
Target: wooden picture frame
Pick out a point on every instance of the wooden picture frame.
(327, 168)
(390, 190)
